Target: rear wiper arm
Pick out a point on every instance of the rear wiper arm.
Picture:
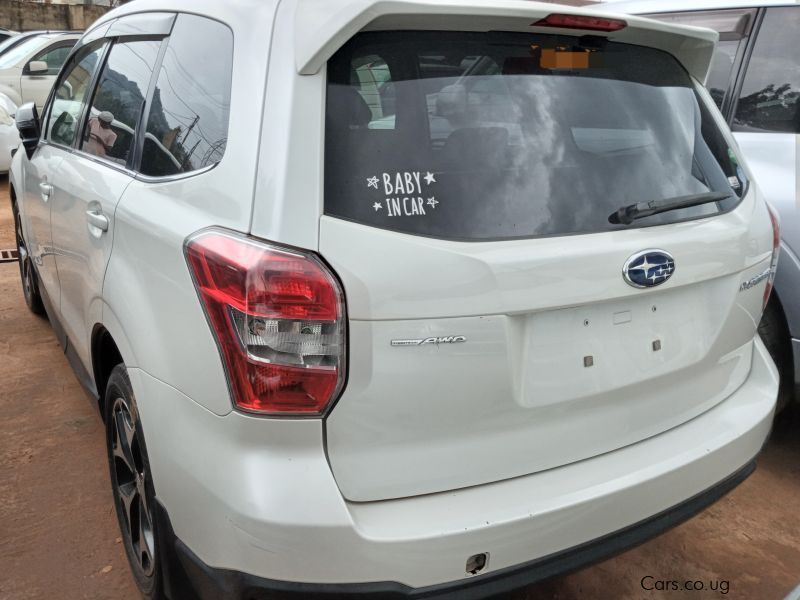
(628, 214)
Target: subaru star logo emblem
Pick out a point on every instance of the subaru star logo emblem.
(648, 268)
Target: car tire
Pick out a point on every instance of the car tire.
(775, 335)
(132, 485)
(30, 283)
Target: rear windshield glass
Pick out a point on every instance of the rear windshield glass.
(479, 136)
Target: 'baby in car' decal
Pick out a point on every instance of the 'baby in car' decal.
(406, 193)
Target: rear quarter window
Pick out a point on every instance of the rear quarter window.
(187, 127)
(494, 136)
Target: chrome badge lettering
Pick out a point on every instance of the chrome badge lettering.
(753, 282)
(447, 339)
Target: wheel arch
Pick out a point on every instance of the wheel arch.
(105, 356)
(12, 196)
(776, 335)
(787, 293)
(109, 347)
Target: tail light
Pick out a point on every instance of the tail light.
(278, 316)
(776, 249)
(581, 22)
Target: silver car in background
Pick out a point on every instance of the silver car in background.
(755, 80)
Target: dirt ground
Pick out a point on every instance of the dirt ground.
(59, 536)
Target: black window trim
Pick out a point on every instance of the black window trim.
(732, 96)
(138, 140)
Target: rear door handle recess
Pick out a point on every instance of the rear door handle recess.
(46, 190)
(97, 219)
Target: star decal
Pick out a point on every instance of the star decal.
(372, 182)
(429, 178)
(432, 202)
(377, 206)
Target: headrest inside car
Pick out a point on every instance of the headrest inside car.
(521, 65)
(346, 106)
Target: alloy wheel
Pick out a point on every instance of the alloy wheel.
(130, 485)
(25, 267)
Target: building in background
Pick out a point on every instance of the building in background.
(106, 3)
(27, 15)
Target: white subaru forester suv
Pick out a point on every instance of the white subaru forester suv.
(413, 298)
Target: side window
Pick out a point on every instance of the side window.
(187, 127)
(70, 93)
(117, 104)
(55, 56)
(769, 97)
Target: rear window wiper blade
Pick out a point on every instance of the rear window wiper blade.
(628, 214)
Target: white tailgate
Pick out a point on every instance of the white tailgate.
(559, 361)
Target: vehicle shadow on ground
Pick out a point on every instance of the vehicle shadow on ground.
(786, 430)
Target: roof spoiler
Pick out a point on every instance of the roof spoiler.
(322, 26)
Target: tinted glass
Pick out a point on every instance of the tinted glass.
(11, 42)
(71, 92)
(769, 96)
(187, 127)
(55, 57)
(17, 53)
(719, 75)
(490, 136)
(118, 102)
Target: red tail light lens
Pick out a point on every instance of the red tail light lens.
(278, 317)
(581, 22)
(776, 250)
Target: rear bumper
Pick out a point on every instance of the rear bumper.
(190, 577)
(253, 502)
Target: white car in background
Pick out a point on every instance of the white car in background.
(9, 134)
(28, 70)
(7, 33)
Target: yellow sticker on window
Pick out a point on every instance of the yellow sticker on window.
(553, 59)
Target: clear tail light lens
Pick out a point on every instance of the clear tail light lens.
(278, 316)
(776, 250)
